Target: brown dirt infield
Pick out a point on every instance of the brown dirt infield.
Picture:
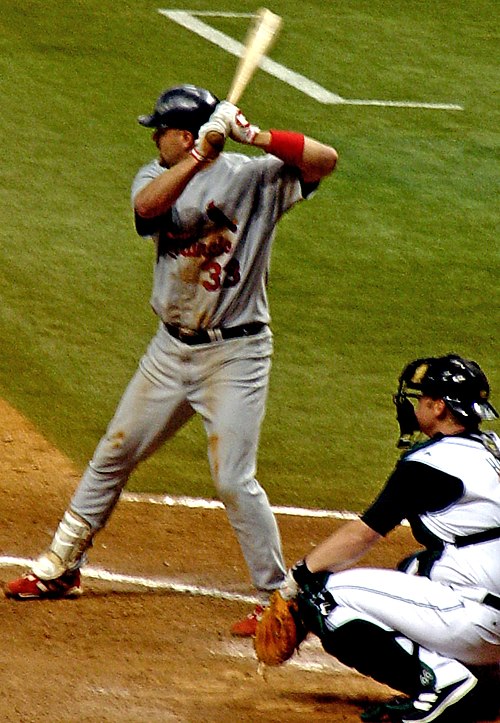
(120, 653)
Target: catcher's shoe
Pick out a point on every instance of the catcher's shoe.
(31, 587)
(247, 627)
(377, 713)
(446, 704)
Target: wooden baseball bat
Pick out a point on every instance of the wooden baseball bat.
(260, 37)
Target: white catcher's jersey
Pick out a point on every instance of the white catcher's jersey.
(213, 247)
(476, 565)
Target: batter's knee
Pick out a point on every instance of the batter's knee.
(233, 491)
(116, 454)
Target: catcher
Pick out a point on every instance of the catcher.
(431, 628)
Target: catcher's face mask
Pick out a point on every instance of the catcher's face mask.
(410, 379)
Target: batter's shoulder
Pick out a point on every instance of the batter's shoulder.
(145, 175)
(151, 169)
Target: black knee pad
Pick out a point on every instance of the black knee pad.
(374, 652)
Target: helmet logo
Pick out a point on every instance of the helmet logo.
(419, 373)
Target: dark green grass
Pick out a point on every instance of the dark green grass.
(396, 256)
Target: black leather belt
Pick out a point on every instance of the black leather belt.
(493, 601)
(206, 336)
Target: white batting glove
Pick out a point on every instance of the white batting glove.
(289, 588)
(204, 151)
(240, 129)
(227, 111)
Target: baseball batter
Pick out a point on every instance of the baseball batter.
(212, 217)
(431, 629)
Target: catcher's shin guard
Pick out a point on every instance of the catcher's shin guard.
(374, 652)
(72, 537)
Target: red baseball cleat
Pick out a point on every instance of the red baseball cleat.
(247, 627)
(31, 587)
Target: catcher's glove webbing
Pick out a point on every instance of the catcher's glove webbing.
(279, 632)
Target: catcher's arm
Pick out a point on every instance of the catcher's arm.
(338, 552)
(342, 549)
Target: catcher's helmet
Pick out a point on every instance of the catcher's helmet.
(459, 382)
(184, 106)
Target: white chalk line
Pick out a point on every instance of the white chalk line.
(188, 20)
(198, 502)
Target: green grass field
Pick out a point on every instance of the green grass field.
(397, 255)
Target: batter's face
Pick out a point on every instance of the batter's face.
(173, 145)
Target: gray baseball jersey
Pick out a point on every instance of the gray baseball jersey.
(213, 248)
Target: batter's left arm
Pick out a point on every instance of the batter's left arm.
(314, 160)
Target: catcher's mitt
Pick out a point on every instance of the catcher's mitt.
(279, 632)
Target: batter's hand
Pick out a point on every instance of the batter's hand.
(240, 129)
(203, 150)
